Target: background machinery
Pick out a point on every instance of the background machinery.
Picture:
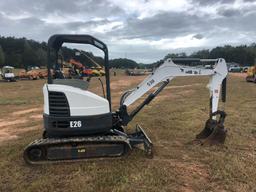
(79, 124)
(251, 74)
(32, 74)
(8, 74)
(79, 69)
(97, 70)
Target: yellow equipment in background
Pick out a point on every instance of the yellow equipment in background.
(251, 74)
(98, 70)
(95, 72)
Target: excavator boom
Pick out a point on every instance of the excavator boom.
(168, 70)
(214, 129)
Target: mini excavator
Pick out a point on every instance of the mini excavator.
(80, 125)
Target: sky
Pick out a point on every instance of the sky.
(143, 30)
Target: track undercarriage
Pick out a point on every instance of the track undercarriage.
(112, 145)
(116, 144)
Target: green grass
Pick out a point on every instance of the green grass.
(171, 121)
(13, 101)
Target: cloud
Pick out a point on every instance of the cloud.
(198, 36)
(227, 12)
(212, 2)
(144, 30)
(142, 9)
(163, 25)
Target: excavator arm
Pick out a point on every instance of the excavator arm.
(164, 74)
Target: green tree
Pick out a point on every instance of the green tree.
(29, 56)
(41, 56)
(123, 63)
(203, 54)
(2, 56)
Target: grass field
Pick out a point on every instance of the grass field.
(172, 120)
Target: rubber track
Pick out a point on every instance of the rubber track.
(76, 140)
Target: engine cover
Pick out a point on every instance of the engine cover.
(71, 111)
(81, 102)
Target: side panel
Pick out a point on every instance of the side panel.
(9, 75)
(81, 102)
(77, 126)
(46, 100)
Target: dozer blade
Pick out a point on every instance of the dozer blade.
(74, 149)
(140, 137)
(214, 132)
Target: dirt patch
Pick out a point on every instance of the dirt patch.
(4, 136)
(116, 85)
(9, 133)
(189, 171)
(39, 116)
(11, 128)
(126, 82)
(165, 96)
(22, 112)
(186, 92)
(189, 167)
(4, 123)
(183, 86)
(170, 95)
(186, 189)
(242, 75)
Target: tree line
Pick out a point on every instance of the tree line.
(244, 55)
(23, 53)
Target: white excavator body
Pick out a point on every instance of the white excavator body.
(79, 124)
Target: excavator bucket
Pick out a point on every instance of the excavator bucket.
(217, 136)
(214, 132)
